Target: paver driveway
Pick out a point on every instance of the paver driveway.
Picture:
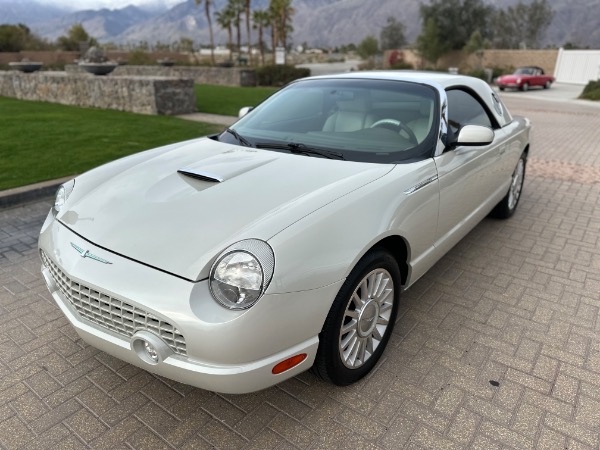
(497, 347)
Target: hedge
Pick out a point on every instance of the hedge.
(278, 75)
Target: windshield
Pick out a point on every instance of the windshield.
(526, 71)
(360, 120)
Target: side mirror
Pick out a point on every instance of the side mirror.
(245, 110)
(474, 135)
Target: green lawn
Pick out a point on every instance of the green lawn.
(228, 100)
(44, 141)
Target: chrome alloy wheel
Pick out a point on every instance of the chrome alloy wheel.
(366, 318)
(516, 184)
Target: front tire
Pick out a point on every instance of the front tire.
(508, 205)
(525, 87)
(360, 321)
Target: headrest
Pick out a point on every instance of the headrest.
(360, 102)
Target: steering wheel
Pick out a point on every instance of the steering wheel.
(394, 124)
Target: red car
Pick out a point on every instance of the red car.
(524, 78)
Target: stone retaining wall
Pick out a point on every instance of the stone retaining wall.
(224, 76)
(144, 95)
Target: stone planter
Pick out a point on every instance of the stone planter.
(98, 68)
(26, 66)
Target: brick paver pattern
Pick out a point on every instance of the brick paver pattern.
(498, 347)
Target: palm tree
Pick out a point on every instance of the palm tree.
(207, 4)
(237, 6)
(262, 20)
(225, 19)
(274, 29)
(281, 15)
(247, 12)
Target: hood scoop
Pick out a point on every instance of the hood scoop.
(201, 175)
(227, 165)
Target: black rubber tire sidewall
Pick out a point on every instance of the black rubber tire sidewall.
(328, 364)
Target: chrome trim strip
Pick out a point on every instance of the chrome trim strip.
(421, 185)
(201, 175)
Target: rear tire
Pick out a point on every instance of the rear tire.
(360, 321)
(501, 88)
(547, 85)
(508, 205)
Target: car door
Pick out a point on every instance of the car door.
(469, 176)
(540, 78)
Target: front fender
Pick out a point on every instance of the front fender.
(324, 246)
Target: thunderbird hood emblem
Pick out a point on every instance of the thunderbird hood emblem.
(87, 254)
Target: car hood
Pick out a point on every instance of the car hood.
(178, 223)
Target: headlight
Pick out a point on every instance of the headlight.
(242, 273)
(518, 80)
(62, 194)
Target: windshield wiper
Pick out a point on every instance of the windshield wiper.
(241, 139)
(298, 148)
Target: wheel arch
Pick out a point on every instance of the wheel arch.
(398, 247)
(525, 152)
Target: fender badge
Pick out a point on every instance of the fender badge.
(87, 254)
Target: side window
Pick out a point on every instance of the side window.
(464, 109)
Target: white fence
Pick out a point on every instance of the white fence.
(577, 66)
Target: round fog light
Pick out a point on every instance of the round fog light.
(150, 348)
(151, 351)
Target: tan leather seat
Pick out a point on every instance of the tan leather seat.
(351, 115)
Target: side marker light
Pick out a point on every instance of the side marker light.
(287, 364)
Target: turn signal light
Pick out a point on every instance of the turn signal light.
(288, 363)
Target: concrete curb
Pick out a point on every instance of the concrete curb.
(30, 193)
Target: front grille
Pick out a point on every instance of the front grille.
(112, 313)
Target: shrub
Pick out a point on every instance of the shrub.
(591, 91)
(478, 73)
(402, 66)
(140, 58)
(278, 75)
(367, 64)
(497, 71)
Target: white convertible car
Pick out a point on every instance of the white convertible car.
(235, 261)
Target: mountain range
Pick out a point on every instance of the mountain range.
(324, 23)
